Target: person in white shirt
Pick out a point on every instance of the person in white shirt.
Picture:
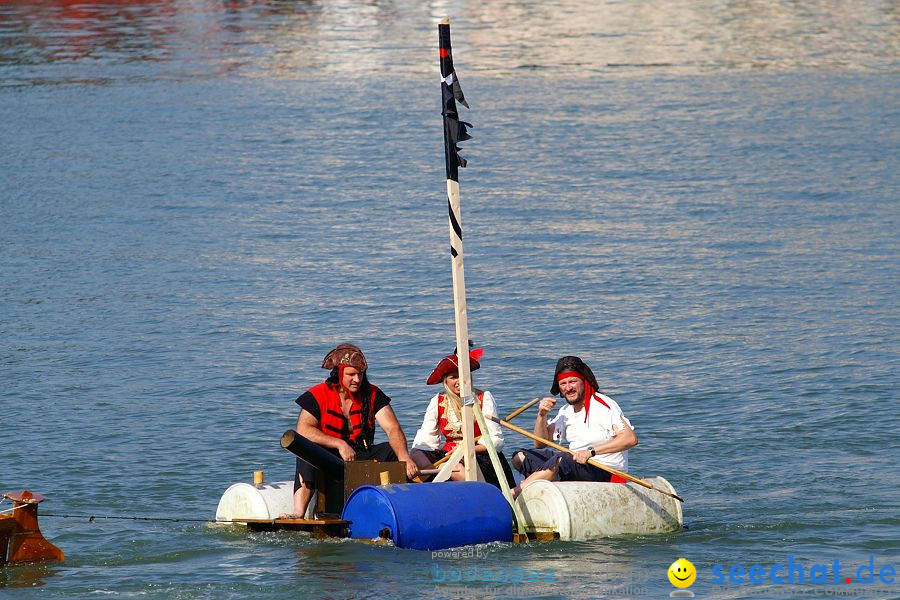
(443, 418)
(592, 424)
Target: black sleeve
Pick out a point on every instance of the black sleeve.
(308, 403)
(381, 400)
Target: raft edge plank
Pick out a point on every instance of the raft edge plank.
(289, 521)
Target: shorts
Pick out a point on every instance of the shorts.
(569, 470)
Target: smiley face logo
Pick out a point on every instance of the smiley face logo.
(682, 573)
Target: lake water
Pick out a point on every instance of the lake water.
(199, 199)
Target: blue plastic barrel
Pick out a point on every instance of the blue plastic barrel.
(430, 516)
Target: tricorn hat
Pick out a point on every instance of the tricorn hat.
(572, 364)
(345, 354)
(450, 363)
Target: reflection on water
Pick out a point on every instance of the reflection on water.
(682, 34)
(36, 32)
(28, 575)
(98, 40)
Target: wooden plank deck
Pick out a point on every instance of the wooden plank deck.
(320, 528)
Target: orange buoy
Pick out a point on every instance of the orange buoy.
(21, 540)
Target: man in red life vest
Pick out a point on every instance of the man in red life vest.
(592, 423)
(339, 414)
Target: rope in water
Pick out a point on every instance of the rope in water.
(92, 518)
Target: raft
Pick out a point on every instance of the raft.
(430, 516)
(582, 510)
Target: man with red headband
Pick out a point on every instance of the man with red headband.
(592, 424)
(339, 414)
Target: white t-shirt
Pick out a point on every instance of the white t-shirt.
(569, 426)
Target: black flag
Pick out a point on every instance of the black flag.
(455, 131)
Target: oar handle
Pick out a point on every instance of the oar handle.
(522, 409)
(593, 461)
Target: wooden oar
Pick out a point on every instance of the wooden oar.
(519, 411)
(592, 461)
(442, 461)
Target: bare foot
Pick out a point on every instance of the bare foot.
(291, 516)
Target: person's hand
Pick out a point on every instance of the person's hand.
(546, 406)
(411, 469)
(582, 456)
(346, 451)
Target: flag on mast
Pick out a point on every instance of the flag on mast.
(456, 131)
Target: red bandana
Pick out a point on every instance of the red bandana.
(589, 391)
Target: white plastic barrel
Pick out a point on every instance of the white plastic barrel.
(582, 510)
(268, 501)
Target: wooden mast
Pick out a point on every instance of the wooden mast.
(455, 131)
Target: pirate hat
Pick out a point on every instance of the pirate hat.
(450, 363)
(572, 364)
